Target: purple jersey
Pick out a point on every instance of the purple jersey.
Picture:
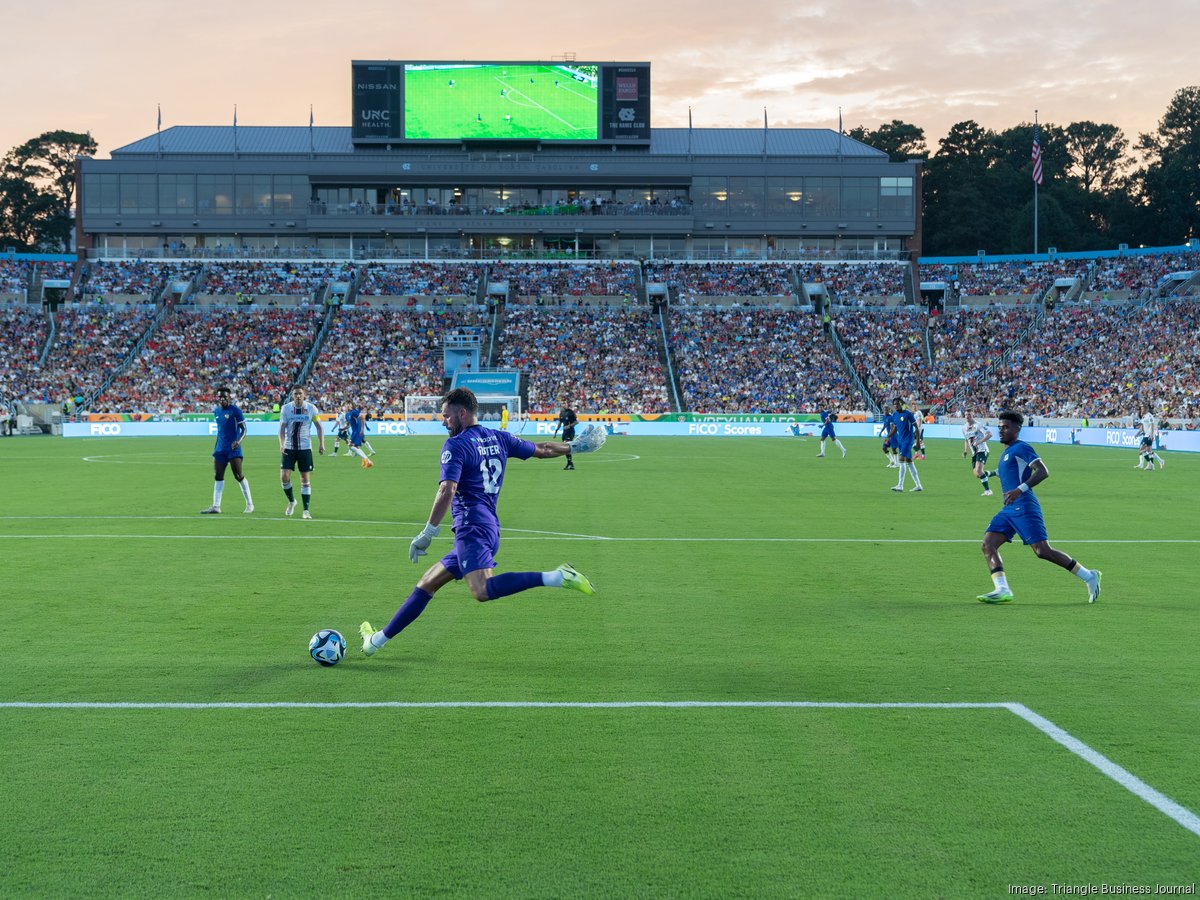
(475, 459)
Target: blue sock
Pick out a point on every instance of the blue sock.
(407, 614)
(512, 583)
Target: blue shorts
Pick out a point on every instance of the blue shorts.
(827, 432)
(475, 547)
(1023, 518)
(224, 456)
(904, 448)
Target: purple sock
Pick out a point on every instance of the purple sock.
(512, 583)
(407, 614)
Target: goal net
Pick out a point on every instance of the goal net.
(491, 408)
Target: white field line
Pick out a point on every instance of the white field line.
(512, 90)
(1164, 804)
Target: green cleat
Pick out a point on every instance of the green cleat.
(996, 596)
(574, 580)
(368, 648)
(1094, 587)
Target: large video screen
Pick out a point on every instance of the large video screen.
(446, 101)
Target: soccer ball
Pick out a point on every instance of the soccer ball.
(327, 647)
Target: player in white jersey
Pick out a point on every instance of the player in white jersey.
(296, 420)
(975, 438)
(1148, 426)
(341, 433)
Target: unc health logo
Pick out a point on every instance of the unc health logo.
(625, 114)
(445, 457)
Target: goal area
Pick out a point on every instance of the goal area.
(419, 408)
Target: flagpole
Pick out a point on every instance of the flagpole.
(1035, 184)
(158, 131)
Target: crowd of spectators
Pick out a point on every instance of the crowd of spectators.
(754, 359)
(23, 333)
(90, 341)
(14, 276)
(567, 279)
(131, 278)
(1140, 273)
(256, 351)
(1017, 278)
(887, 349)
(1095, 361)
(601, 358)
(723, 279)
(857, 280)
(419, 279)
(261, 279)
(375, 357)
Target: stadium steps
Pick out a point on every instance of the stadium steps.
(988, 374)
(128, 359)
(494, 333)
(912, 288)
(315, 350)
(666, 355)
(855, 378)
(44, 355)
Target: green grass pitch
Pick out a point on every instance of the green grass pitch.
(727, 569)
(531, 107)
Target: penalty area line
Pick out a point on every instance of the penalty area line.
(1177, 813)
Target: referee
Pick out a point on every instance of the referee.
(566, 421)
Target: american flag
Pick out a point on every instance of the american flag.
(1037, 157)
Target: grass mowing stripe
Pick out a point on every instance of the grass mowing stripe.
(1123, 777)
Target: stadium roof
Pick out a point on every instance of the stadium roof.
(288, 140)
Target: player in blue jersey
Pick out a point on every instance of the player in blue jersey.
(473, 460)
(889, 452)
(1020, 470)
(904, 434)
(828, 417)
(356, 423)
(297, 418)
(231, 428)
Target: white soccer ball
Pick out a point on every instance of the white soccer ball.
(327, 647)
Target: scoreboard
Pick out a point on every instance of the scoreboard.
(562, 102)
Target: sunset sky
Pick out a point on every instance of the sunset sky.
(105, 66)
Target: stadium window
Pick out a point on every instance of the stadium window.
(895, 197)
(860, 197)
(821, 197)
(745, 196)
(176, 195)
(214, 194)
(785, 197)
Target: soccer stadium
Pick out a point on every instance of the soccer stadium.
(764, 461)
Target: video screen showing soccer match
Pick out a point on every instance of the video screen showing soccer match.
(501, 102)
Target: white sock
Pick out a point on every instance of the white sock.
(378, 639)
(354, 451)
(245, 486)
(552, 579)
(1000, 580)
(903, 467)
(1081, 572)
(912, 470)
(367, 444)
(839, 445)
(218, 489)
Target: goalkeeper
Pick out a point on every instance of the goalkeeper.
(473, 462)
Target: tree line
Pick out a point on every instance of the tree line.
(1098, 189)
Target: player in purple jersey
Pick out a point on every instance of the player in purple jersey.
(473, 462)
(231, 428)
(1020, 470)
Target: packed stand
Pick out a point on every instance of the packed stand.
(887, 349)
(598, 359)
(1140, 273)
(260, 279)
(1018, 278)
(748, 359)
(373, 358)
(258, 352)
(90, 341)
(857, 280)
(131, 278)
(14, 276)
(23, 333)
(723, 279)
(1096, 361)
(566, 279)
(419, 280)
(965, 341)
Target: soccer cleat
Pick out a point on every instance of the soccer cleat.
(575, 581)
(249, 508)
(211, 511)
(916, 490)
(306, 515)
(986, 493)
(820, 455)
(291, 508)
(898, 489)
(368, 648)
(843, 454)
(372, 453)
(1094, 586)
(996, 596)
(367, 464)
(334, 453)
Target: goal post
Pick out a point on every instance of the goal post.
(424, 408)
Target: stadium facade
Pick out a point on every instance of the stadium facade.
(699, 193)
